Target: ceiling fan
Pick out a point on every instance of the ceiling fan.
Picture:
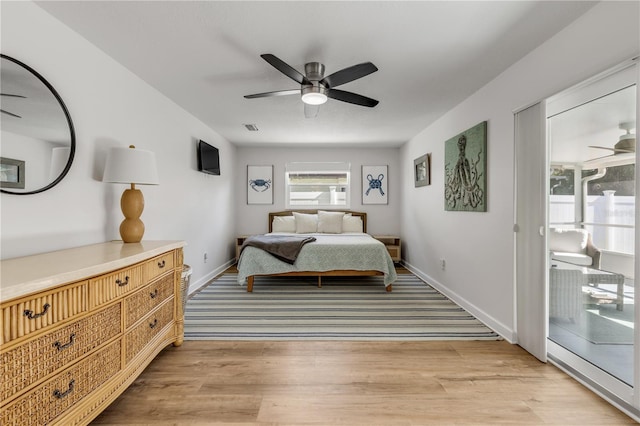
(315, 88)
(12, 96)
(625, 145)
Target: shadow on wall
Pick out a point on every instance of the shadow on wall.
(101, 148)
(111, 199)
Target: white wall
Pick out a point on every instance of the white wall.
(381, 219)
(110, 106)
(478, 247)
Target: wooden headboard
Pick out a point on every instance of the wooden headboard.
(361, 215)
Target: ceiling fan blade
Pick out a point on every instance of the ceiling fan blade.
(311, 111)
(285, 68)
(276, 93)
(13, 96)
(348, 74)
(615, 150)
(601, 147)
(9, 113)
(352, 98)
(591, 160)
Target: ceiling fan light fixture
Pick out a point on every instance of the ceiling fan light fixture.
(315, 88)
(314, 95)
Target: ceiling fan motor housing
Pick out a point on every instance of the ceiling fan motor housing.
(314, 93)
(314, 71)
(627, 143)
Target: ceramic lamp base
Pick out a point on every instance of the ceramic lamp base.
(132, 204)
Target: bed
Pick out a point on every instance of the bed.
(341, 248)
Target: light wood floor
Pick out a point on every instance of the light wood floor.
(355, 383)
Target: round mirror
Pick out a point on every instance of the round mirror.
(38, 139)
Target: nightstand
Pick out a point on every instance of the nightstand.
(393, 246)
(239, 243)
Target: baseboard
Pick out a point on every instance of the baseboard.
(197, 285)
(507, 333)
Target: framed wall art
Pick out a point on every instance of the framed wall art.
(375, 185)
(12, 173)
(259, 184)
(465, 168)
(422, 170)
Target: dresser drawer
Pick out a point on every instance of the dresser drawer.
(30, 314)
(160, 265)
(147, 329)
(142, 302)
(109, 287)
(37, 358)
(54, 397)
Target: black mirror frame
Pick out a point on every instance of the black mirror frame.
(72, 132)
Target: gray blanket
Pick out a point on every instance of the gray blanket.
(283, 247)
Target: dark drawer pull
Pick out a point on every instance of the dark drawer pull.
(122, 283)
(154, 294)
(161, 264)
(61, 346)
(61, 395)
(29, 313)
(154, 323)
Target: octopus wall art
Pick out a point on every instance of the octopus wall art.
(465, 170)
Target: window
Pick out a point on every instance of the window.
(606, 208)
(317, 185)
(562, 199)
(610, 208)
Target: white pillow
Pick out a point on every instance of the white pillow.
(352, 224)
(568, 240)
(330, 222)
(306, 223)
(283, 224)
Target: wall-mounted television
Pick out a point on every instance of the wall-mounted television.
(208, 158)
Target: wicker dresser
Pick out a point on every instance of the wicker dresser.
(79, 325)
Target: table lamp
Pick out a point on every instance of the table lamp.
(136, 167)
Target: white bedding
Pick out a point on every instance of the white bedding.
(330, 252)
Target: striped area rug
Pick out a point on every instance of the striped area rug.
(345, 308)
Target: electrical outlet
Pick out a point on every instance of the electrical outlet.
(206, 256)
(443, 264)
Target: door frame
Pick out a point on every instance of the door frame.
(621, 395)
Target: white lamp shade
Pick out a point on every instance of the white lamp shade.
(59, 160)
(131, 165)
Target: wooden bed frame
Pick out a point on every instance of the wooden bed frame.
(336, 273)
(361, 215)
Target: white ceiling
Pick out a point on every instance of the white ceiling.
(205, 57)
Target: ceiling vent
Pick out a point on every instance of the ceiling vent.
(251, 127)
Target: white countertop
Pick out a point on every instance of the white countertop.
(25, 275)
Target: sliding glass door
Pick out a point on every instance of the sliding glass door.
(591, 232)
